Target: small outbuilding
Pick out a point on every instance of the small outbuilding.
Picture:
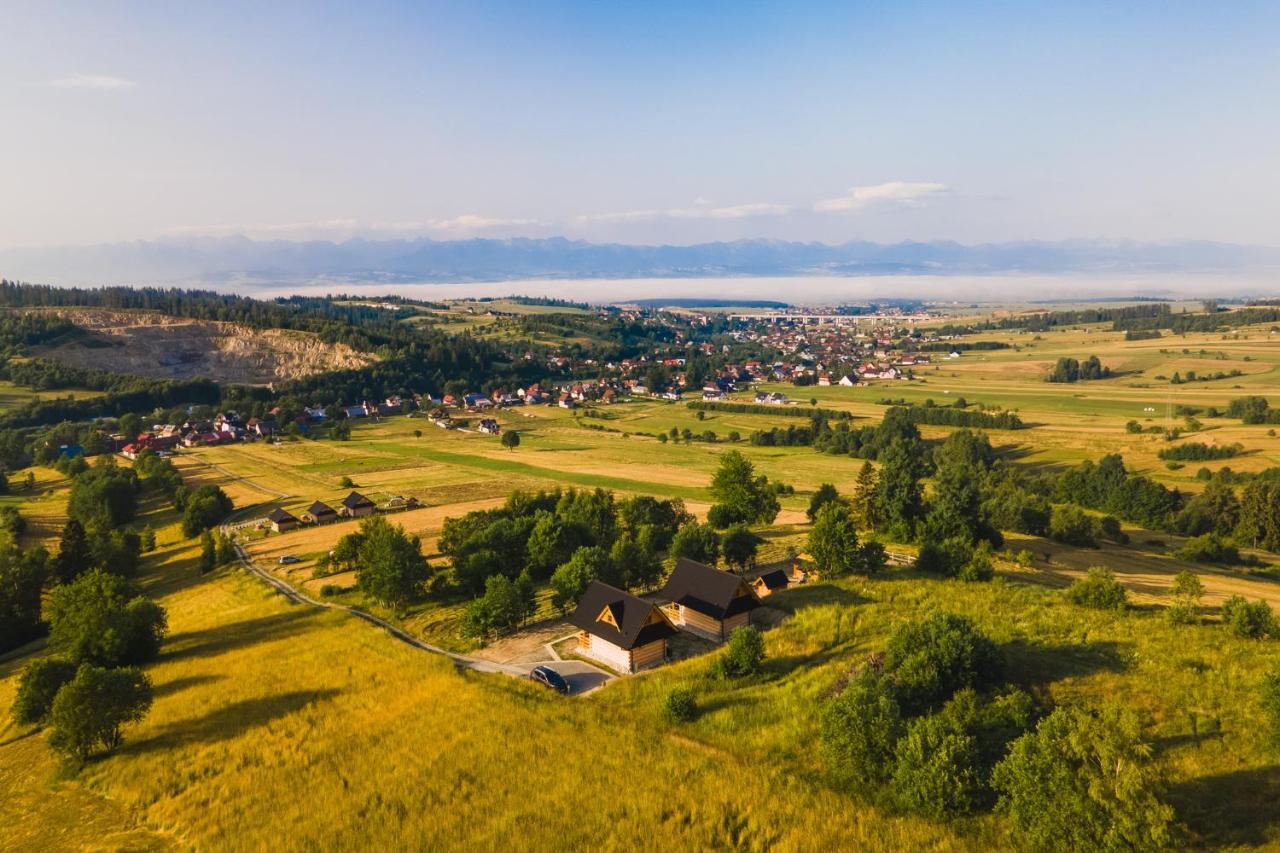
(622, 631)
(356, 505)
(770, 582)
(708, 602)
(282, 520)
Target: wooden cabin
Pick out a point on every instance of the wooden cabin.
(620, 630)
(708, 602)
(770, 582)
(282, 520)
(322, 513)
(356, 505)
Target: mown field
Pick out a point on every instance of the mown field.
(282, 726)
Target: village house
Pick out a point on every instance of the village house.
(357, 411)
(489, 426)
(620, 630)
(356, 505)
(282, 520)
(706, 601)
(321, 513)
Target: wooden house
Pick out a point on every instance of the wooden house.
(356, 505)
(770, 582)
(620, 630)
(282, 520)
(322, 513)
(708, 602)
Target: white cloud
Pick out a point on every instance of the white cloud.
(472, 222)
(92, 81)
(703, 210)
(346, 229)
(903, 193)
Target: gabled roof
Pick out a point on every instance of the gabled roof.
(356, 500)
(709, 591)
(321, 508)
(619, 617)
(776, 579)
(279, 514)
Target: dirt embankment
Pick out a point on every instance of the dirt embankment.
(164, 347)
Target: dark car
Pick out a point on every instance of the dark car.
(549, 677)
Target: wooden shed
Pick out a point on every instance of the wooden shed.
(708, 602)
(282, 520)
(770, 582)
(620, 630)
(356, 505)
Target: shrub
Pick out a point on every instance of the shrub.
(1073, 526)
(37, 687)
(929, 660)
(90, 710)
(936, 769)
(743, 655)
(1270, 699)
(1099, 589)
(680, 706)
(1208, 548)
(1081, 781)
(859, 729)
(1251, 620)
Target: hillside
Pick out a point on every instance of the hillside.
(163, 347)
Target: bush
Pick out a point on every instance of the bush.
(1251, 620)
(1081, 781)
(37, 687)
(936, 770)
(1270, 699)
(930, 660)
(90, 710)
(1073, 526)
(1099, 589)
(859, 729)
(680, 706)
(1208, 548)
(743, 655)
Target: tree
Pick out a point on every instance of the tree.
(833, 541)
(505, 605)
(898, 491)
(1082, 781)
(22, 577)
(571, 580)
(208, 552)
(866, 511)
(931, 659)
(1269, 696)
(859, 729)
(551, 542)
(74, 557)
(746, 498)
(103, 619)
(90, 710)
(1098, 589)
(226, 549)
(955, 511)
(204, 508)
(1072, 526)
(697, 542)
(37, 687)
(148, 539)
(743, 654)
(511, 439)
(390, 566)
(632, 564)
(739, 546)
(825, 494)
(936, 769)
(1186, 590)
(417, 433)
(1251, 621)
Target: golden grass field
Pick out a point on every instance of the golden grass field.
(284, 727)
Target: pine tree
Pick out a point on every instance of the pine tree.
(74, 557)
(865, 510)
(898, 491)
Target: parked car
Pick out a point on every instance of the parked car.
(287, 559)
(548, 677)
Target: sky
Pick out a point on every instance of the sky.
(641, 123)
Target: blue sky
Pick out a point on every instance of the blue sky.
(651, 122)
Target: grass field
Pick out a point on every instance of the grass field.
(281, 726)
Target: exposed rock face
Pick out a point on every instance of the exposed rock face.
(164, 347)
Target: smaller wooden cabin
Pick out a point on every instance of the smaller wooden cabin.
(770, 582)
(620, 630)
(282, 520)
(708, 602)
(322, 513)
(356, 505)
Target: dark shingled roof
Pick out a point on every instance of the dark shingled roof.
(279, 514)
(630, 612)
(776, 579)
(355, 500)
(321, 508)
(709, 591)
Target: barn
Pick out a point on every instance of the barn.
(620, 630)
(706, 601)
